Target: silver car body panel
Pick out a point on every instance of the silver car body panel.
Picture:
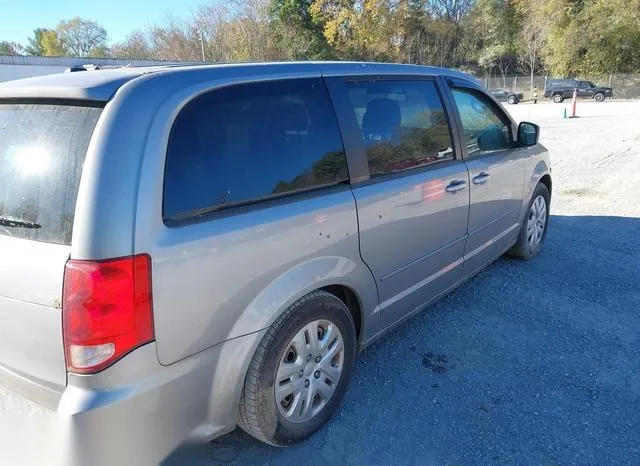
(397, 244)
(423, 229)
(494, 211)
(31, 352)
(79, 85)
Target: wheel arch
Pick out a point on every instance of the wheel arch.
(546, 180)
(537, 172)
(348, 280)
(353, 302)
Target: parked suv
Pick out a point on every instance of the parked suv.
(187, 249)
(560, 89)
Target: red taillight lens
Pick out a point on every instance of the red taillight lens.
(106, 311)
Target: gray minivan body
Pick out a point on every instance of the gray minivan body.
(386, 245)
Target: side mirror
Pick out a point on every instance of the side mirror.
(528, 134)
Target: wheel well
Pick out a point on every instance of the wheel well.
(546, 180)
(349, 298)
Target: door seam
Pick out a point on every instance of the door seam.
(375, 280)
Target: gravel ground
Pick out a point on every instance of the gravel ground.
(530, 363)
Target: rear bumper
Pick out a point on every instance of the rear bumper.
(138, 411)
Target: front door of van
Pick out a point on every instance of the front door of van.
(496, 171)
(413, 204)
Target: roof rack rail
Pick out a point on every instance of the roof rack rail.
(92, 67)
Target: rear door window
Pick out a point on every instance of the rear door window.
(402, 123)
(42, 150)
(250, 142)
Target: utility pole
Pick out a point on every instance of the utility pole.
(202, 45)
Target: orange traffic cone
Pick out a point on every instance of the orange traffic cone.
(573, 104)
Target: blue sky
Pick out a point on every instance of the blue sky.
(118, 17)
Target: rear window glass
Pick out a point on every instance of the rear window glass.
(42, 150)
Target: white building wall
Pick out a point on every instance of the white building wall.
(18, 67)
(11, 72)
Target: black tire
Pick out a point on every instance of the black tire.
(522, 249)
(512, 100)
(558, 98)
(259, 413)
(598, 97)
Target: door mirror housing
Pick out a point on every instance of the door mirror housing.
(528, 134)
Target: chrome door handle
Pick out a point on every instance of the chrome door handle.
(456, 185)
(481, 178)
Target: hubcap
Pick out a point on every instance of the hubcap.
(536, 222)
(309, 371)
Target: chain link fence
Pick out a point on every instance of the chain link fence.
(625, 86)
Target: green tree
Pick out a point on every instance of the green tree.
(497, 26)
(10, 48)
(612, 40)
(532, 36)
(561, 52)
(296, 32)
(361, 29)
(82, 38)
(44, 42)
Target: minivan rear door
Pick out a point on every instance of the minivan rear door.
(42, 151)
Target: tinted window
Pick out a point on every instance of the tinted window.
(485, 129)
(42, 149)
(252, 141)
(402, 123)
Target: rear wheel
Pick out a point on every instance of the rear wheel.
(534, 228)
(300, 372)
(599, 97)
(557, 98)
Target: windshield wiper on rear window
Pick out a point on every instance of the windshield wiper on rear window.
(17, 223)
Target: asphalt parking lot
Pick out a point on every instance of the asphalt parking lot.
(529, 363)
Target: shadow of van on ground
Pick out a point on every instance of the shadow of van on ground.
(533, 362)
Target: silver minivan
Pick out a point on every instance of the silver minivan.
(188, 249)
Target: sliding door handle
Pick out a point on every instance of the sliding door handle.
(481, 178)
(456, 185)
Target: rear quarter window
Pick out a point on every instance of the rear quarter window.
(42, 151)
(251, 142)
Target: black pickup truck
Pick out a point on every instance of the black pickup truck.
(560, 89)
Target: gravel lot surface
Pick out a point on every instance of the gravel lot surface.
(530, 363)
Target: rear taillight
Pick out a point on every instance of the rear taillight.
(106, 311)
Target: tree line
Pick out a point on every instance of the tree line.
(560, 37)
